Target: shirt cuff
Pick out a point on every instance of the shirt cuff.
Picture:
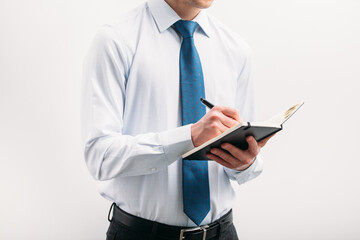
(248, 174)
(176, 142)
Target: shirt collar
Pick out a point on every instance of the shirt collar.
(165, 16)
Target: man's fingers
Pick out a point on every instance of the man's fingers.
(241, 157)
(219, 160)
(225, 156)
(230, 112)
(236, 152)
(230, 161)
(253, 148)
(228, 122)
(220, 126)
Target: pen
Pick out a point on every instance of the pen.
(207, 103)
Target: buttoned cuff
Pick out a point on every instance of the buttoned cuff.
(176, 142)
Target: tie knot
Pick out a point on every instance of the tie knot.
(185, 28)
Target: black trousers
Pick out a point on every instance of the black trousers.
(120, 231)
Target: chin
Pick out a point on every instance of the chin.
(200, 3)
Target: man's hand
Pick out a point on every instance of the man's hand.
(217, 121)
(236, 158)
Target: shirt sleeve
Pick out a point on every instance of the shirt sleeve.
(245, 103)
(108, 152)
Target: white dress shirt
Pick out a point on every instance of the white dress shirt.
(133, 138)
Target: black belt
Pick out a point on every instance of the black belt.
(171, 232)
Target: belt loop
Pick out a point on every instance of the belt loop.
(154, 231)
(220, 228)
(223, 222)
(111, 208)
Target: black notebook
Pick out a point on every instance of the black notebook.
(237, 134)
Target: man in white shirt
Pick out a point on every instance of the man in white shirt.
(132, 120)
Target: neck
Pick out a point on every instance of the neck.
(183, 9)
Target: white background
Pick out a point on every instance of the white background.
(306, 50)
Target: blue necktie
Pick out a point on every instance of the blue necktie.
(196, 195)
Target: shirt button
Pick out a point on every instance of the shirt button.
(153, 169)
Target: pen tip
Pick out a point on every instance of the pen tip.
(201, 99)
